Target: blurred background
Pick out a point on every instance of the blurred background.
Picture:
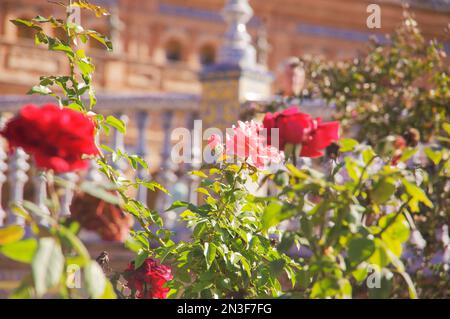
(153, 78)
(160, 45)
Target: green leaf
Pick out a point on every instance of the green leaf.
(446, 127)
(383, 191)
(152, 185)
(11, 234)
(327, 287)
(178, 204)
(347, 144)
(407, 154)
(274, 213)
(39, 89)
(210, 253)
(99, 11)
(396, 234)
(246, 267)
(95, 280)
(58, 46)
(368, 154)
(100, 38)
(277, 266)
(360, 249)
(435, 157)
(21, 251)
(47, 265)
(417, 193)
(361, 273)
(116, 123)
(352, 168)
(379, 257)
(76, 107)
(26, 23)
(199, 174)
(203, 191)
(85, 67)
(140, 258)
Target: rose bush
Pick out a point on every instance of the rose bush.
(148, 280)
(298, 128)
(246, 142)
(314, 235)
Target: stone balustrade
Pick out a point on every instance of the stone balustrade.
(150, 120)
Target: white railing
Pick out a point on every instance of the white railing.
(18, 174)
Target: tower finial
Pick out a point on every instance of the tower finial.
(237, 48)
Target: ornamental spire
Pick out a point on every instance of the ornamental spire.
(237, 48)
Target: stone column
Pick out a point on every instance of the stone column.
(40, 193)
(66, 199)
(167, 174)
(17, 179)
(236, 78)
(193, 180)
(142, 119)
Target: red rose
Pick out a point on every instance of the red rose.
(148, 280)
(300, 128)
(57, 138)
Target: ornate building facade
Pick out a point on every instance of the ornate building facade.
(157, 77)
(160, 45)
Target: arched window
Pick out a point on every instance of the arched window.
(207, 54)
(174, 51)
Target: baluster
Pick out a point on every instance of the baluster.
(194, 180)
(118, 143)
(142, 119)
(66, 200)
(168, 176)
(18, 178)
(40, 195)
(3, 168)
